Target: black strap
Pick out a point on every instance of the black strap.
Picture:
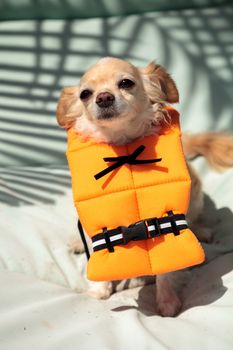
(82, 234)
(129, 159)
(107, 240)
(175, 228)
(139, 231)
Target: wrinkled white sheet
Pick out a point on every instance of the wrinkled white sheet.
(42, 296)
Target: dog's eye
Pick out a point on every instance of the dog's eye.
(85, 94)
(126, 84)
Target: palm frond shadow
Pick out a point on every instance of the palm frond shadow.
(33, 185)
(38, 59)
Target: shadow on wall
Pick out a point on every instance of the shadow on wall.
(39, 57)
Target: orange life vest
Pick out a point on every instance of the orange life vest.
(135, 212)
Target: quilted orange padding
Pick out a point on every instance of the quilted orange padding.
(132, 193)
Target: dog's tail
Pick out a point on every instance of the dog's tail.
(217, 148)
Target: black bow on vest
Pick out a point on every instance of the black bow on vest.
(130, 159)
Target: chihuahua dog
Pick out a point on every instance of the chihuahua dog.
(116, 103)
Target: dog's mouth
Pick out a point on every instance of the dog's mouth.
(107, 114)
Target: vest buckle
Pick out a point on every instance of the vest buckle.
(134, 232)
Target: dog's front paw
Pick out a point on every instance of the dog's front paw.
(169, 307)
(75, 246)
(100, 290)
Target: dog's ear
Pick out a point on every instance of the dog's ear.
(158, 84)
(69, 107)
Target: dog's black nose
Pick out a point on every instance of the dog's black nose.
(105, 99)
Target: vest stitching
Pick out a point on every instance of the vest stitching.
(138, 210)
(132, 189)
(135, 192)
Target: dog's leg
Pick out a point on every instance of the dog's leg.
(75, 245)
(168, 301)
(100, 290)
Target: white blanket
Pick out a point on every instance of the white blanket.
(43, 303)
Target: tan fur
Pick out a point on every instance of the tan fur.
(217, 148)
(159, 84)
(68, 108)
(138, 112)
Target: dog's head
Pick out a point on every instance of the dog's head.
(116, 102)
